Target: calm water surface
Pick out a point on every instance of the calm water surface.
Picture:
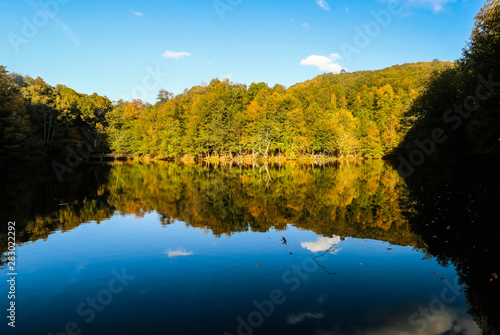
(290, 249)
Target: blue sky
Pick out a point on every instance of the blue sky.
(130, 49)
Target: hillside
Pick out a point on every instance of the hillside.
(332, 115)
(461, 103)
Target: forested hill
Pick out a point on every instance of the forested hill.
(439, 109)
(357, 114)
(38, 121)
(398, 76)
(457, 118)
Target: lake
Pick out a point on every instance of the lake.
(163, 248)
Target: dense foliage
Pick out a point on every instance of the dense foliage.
(333, 114)
(38, 120)
(463, 101)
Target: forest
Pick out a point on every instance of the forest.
(463, 101)
(361, 114)
(344, 114)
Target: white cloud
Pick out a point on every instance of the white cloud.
(322, 4)
(138, 14)
(323, 243)
(450, 321)
(305, 25)
(175, 54)
(435, 5)
(178, 252)
(335, 56)
(323, 63)
(296, 318)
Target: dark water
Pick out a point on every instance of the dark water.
(292, 249)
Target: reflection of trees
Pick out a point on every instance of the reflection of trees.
(456, 218)
(357, 199)
(354, 199)
(40, 204)
(362, 200)
(68, 217)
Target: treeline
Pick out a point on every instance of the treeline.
(38, 120)
(339, 115)
(462, 102)
(332, 115)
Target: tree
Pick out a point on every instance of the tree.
(481, 53)
(448, 90)
(42, 102)
(345, 139)
(15, 126)
(163, 96)
(372, 145)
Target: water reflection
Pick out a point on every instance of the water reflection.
(456, 215)
(356, 223)
(364, 200)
